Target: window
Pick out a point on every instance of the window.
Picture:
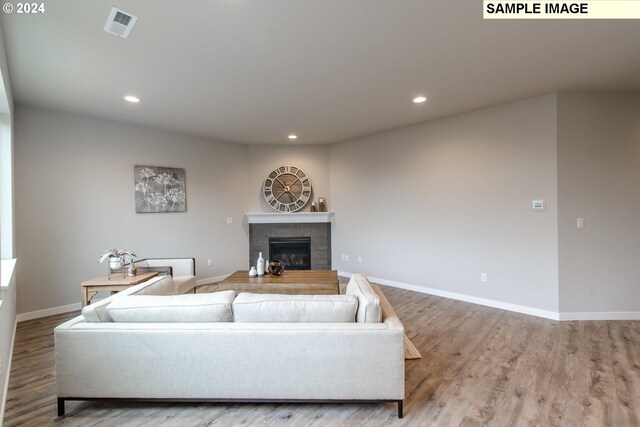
(6, 188)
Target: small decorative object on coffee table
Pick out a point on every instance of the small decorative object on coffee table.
(260, 265)
(117, 258)
(276, 268)
(253, 272)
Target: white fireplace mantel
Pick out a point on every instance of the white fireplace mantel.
(288, 218)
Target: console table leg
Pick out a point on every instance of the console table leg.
(400, 408)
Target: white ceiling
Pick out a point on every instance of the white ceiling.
(329, 70)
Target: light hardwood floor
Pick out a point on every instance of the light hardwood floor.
(480, 366)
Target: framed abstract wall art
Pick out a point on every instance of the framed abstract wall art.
(160, 189)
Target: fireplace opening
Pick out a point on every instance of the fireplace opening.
(293, 252)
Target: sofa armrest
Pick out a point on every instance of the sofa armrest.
(389, 316)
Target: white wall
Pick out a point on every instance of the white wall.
(436, 204)
(75, 198)
(312, 159)
(599, 180)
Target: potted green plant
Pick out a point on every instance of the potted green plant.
(117, 257)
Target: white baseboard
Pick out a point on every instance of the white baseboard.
(6, 377)
(48, 312)
(211, 280)
(600, 315)
(466, 298)
(562, 316)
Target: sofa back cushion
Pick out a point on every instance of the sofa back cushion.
(97, 311)
(368, 302)
(278, 308)
(187, 308)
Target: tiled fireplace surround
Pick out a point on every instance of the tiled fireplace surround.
(319, 232)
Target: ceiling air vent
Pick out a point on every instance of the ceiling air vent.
(120, 23)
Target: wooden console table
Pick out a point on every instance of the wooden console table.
(291, 282)
(91, 287)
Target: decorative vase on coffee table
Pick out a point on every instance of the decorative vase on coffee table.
(276, 268)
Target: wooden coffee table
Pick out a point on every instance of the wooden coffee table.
(91, 287)
(308, 282)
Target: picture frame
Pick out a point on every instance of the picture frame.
(159, 189)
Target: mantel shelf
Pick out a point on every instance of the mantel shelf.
(288, 218)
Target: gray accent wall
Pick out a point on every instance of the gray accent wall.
(599, 180)
(75, 198)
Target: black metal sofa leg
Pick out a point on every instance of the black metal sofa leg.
(60, 407)
(400, 408)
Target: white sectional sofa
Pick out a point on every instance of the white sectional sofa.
(141, 345)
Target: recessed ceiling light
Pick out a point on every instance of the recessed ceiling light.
(131, 98)
(292, 136)
(419, 99)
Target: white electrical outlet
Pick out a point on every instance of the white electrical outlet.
(229, 220)
(209, 262)
(359, 259)
(580, 223)
(483, 277)
(346, 257)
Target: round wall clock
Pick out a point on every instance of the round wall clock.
(287, 189)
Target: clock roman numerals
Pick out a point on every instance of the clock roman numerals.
(287, 189)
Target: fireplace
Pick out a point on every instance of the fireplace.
(293, 252)
(318, 235)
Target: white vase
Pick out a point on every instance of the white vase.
(253, 272)
(260, 265)
(115, 263)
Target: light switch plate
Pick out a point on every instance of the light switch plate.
(537, 205)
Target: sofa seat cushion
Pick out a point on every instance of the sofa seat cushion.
(248, 307)
(188, 308)
(369, 310)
